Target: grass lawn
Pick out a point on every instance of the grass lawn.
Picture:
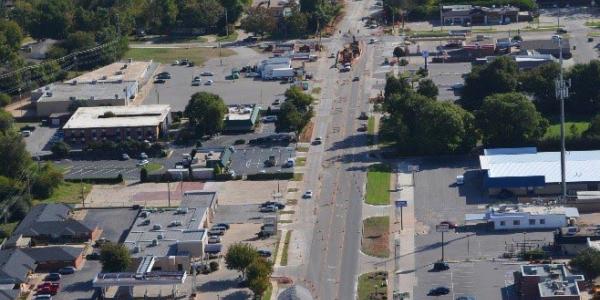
(287, 212)
(298, 177)
(438, 33)
(316, 90)
(224, 38)
(370, 284)
(286, 245)
(67, 192)
(8, 228)
(301, 161)
(578, 127)
(375, 239)
(378, 185)
(276, 252)
(302, 149)
(153, 167)
(268, 292)
(168, 55)
(371, 125)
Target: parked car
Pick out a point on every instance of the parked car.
(209, 82)
(317, 141)
(268, 119)
(465, 298)
(25, 133)
(264, 253)
(356, 78)
(191, 64)
(438, 291)
(214, 232)
(46, 287)
(214, 239)
(362, 128)
(363, 116)
(93, 256)
(159, 81)
(451, 225)
(163, 76)
(143, 155)
(270, 208)
(206, 73)
(142, 162)
(273, 203)
(53, 277)
(308, 194)
(225, 225)
(440, 266)
(217, 227)
(276, 102)
(67, 270)
(460, 180)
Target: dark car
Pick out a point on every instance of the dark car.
(440, 266)
(363, 116)
(276, 204)
(264, 253)
(52, 277)
(438, 291)
(465, 298)
(224, 225)
(67, 270)
(159, 81)
(93, 256)
(451, 225)
(356, 78)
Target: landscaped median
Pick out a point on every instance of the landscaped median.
(375, 237)
(372, 286)
(378, 185)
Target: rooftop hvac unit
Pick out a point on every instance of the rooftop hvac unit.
(72, 98)
(116, 96)
(92, 98)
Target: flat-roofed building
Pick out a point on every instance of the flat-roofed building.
(117, 123)
(547, 282)
(126, 71)
(58, 97)
(519, 216)
(241, 118)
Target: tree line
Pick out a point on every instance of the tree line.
(500, 106)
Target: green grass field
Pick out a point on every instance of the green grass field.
(67, 192)
(300, 161)
(571, 128)
(168, 55)
(378, 185)
(370, 284)
(375, 239)
(153, 167)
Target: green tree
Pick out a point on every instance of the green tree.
(259, 21)
(79, 40)
(60, 149)
(300, 99)
(201, 13)
(399, 52)
(539, 82)
(4, 100)
(499, 76)
(234, 9)
(395, 85)
(143, 175)
(584, 94)
(588, 262)
(205, 112)
(239, 256)
(45, 180)
(114, 257)
(296, 24)
(428, 88)
(258, 273)
(6, 121)
(295, 112)
(51, 19)
(14, 158)
(508, 120)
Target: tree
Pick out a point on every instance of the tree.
(60, 149)
(399, 52)
(79, 40)
(295, 112)
(258, 274)
(14, 158)
(539, 82)
(295, 24)
(239, 256)
(114, 257)
(201, 13)
(585, 88)
(143, 175)
(51, 19)
(508, 120)
(205, 112)
(587, 261)
(234, 9)
(45, 180)
(6, 121)
(499, 76)
(4, 100)
(427, 88)
(259, 21)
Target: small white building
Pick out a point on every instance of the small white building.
(516, 216)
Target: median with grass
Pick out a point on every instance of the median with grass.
(372, 286)
(375, 237)
(378, 185)
(286, 246)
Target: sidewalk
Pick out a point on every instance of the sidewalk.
(403, 243)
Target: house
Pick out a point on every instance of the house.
(52, 258)
(15, 266)
(548, 46)
(143, 122)
(547, 282)
(525, 217)
(53, 223)
(525, 171)
(241, 118)
(478, 15)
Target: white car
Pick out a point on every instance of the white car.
(267, 119)
(142, 162)
(308, 194)
(209, 82)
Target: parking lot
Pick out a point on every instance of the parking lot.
(178, 90)
(474, 252)
(115, 222)
(41, 139)
(253, 160)
(240, 214)
(102, 168)
(78, 286)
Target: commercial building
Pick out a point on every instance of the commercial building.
(524, 62)
(125, 71)
(478, 15)
(240, 118)
(54, 224)
(524, 171)
(547, 282)
(548, 46)
(276, 67)
(117, 123)
(525, 217)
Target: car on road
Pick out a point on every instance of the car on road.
(308, 194)
(264, 253)
(67, 270)
(363, 116)
(438, 291)
(209, 82)
(440, 266)
(124, 156)
(318, 141)
(53, 277)
(356, 78)
(451, 225)
(269, 208)
(457, 86)
(161, 81)
(362, 128)
(206, 73)
(215, 239)
(163, 76)
(276, 204)
(142, 162)
(276, 102)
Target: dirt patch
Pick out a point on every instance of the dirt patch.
(375, 239)
(306, 133)
(246, 192)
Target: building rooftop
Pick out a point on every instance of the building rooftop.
(581, 166)
(240, 112)
(544, 44)
(555, 279)
(83, 91)
(511, 209)
(51, 219)
(127, 71)
(125, 116)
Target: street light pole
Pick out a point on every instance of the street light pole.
(562, 91)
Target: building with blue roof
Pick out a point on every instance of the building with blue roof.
(525, 171)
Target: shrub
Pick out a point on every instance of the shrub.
(60, 149)
(214, 266)
(4, 100)
(143, 175)
(239, 142)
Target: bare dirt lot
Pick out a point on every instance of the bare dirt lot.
(245, 192)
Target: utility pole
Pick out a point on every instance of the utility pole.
(562, 91)
(82, 196)
(226, 24)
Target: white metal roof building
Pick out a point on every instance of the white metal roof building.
(124, 116)
(516, 216)
(528, 171)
